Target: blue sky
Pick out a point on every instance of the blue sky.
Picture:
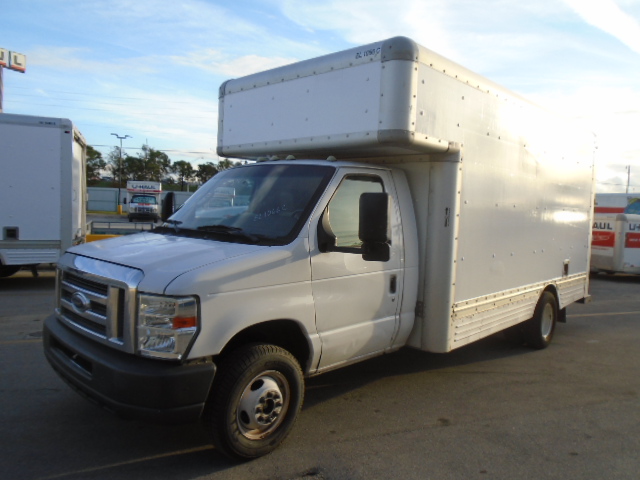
(151, 69)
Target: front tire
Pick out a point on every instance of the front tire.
(255, 401)
(538, 331)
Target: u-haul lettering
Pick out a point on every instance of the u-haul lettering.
(602, 226)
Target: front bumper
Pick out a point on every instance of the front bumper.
(149, 215)
(131, 386)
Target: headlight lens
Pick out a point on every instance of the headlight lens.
(166, 325)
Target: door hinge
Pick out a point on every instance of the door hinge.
(420, 309)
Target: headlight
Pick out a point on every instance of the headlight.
(166, 325)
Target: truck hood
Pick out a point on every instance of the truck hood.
(165, 256)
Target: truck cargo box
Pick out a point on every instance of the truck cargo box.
(42, 189)
(502, 189)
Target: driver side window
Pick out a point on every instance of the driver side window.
(344, 208)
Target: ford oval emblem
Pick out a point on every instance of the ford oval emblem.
(80, 302)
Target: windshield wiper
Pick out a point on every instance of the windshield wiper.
(229, 230)
(175, 224)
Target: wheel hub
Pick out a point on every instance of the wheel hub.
(547, 320)
(263, 405)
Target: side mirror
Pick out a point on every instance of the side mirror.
(167, 206)
(373, 228)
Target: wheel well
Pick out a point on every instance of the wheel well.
(283, 333)
(553, 291)
(562, 312)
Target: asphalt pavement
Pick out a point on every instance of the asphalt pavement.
(490, 410)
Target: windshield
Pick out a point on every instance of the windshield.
(259, 203)
(144, 199)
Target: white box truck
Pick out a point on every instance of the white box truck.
(401, 200)
(42, 190)
(143, 200)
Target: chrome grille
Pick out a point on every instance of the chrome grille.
(87, 304)
(98, 299)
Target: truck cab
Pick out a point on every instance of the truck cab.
(295, 267)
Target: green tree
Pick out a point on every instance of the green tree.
(95, 165)
(226, 164)
(206, 171)
(149, 164)
(116, 166)
(154, 164)
(184, 170)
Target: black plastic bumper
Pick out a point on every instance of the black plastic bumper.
(128, 385)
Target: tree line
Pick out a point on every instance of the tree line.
(148, 164)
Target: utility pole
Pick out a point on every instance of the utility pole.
(628, 177)
(120, 169)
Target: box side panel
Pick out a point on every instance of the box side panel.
(329, 110)
(77, 199)
(527, 185)
(30, 187)
(434, 189)
(356, 103)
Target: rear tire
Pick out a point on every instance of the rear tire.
(254, 401)
(538, 331)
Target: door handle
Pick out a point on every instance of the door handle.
(393, 284)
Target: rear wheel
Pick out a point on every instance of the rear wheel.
(255, 401)
(538, 331)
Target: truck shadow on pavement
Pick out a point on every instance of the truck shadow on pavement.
(93, 443)
(407, 361)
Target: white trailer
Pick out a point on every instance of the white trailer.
(42, 190)
(400, 200)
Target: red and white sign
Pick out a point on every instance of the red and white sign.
(4, 57)
(603, 239)
(632, 240)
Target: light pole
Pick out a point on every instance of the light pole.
(120, 168)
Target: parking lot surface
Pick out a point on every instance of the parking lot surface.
(491, 410)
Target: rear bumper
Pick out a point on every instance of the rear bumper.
(128, 385)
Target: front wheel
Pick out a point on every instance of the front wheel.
(538, 331)
(255, 401)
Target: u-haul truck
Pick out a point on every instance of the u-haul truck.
(399, 200)
(616, 233)
(616, 243)
(143, 200)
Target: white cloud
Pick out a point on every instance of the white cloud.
(221, 63)
(609, 17)
(366, 21)
(82, 59)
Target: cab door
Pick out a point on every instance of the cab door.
(356, 300)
